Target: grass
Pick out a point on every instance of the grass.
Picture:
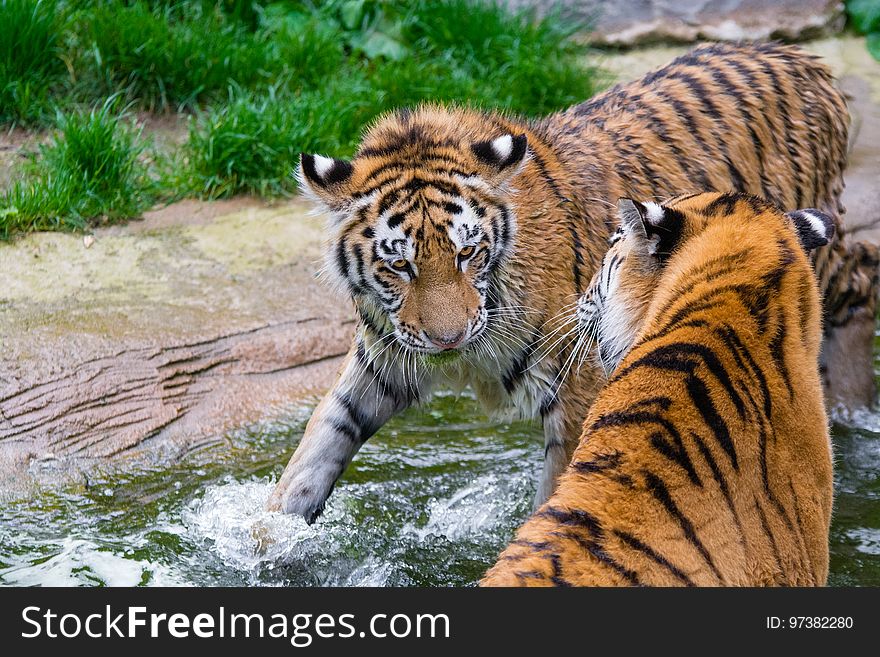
(262, 81)
(455, 51)
(251, 144)
(30, 58)
(167, 56)
(90, 171)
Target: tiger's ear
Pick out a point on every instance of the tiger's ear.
(325, 179)
(500, 158)
(814, 227)
(657, 228)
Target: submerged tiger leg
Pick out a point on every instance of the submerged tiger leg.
(556, 454)
(359, 403)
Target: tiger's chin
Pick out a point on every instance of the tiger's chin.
(441, 358)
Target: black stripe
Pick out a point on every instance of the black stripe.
(601, 463)
(599, 553)
(342, 258)
(676, 357)
(349, 431)
(777, 351)
(661, 493)
(773, 546)
(573, 518)
(366, 427)
(731, 338)
(751, 87)
(534, 545)
(511, 378)
(722, 483)
(788, 137)
(802, 532)
(675, 452)
(542, 168)
(710, 109)
(578, 261)
(702, 401)
(650, 116)
(639, 546)
(557, 577)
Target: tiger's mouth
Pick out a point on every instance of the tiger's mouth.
(446, 344)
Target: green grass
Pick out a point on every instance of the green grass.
(251, 144)
(90, 172)
(30, 58)
(167, 56)
(344, 69)
(263, 81)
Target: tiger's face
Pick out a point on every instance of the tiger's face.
(420, 229)
(613, 310)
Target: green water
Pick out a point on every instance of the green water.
(429, 502)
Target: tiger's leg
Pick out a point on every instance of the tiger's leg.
(354, 409)
(563, 420)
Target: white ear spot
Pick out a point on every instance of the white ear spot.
(814, 227)
(503, 147)
(816, 224)
(655, 213)
(323, 165)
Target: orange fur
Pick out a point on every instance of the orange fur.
(706, 460)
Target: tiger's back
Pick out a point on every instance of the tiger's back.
(706, 460)
(721, 117)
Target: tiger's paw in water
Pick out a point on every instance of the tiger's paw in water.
(304, 495)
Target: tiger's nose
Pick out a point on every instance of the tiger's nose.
(446, 340)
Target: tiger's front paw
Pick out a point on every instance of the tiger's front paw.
(302, 494)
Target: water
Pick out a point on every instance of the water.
(430, 501)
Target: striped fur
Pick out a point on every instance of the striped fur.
(706, 460)
(473, 234)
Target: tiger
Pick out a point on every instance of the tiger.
(706, 459)
(464, 237)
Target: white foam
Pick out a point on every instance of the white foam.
(859, 418)
(232, 518)
(867, 540)
(474, 511)
(83, 563)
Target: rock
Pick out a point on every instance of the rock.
(637, 22)
(162, 335)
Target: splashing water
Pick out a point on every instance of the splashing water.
(430, 501)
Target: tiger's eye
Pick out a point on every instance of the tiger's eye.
(399, 265)
(466, 252)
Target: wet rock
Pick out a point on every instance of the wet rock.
(162, 334)
(637, 22)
